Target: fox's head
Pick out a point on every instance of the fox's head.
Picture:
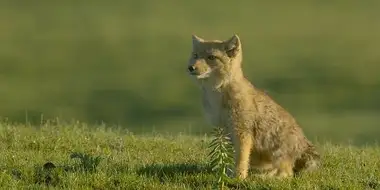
(215, 59)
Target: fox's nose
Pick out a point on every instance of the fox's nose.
(191, 68)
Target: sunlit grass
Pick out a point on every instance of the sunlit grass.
(36, 158)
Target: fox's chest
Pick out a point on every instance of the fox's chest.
(229, 108)
(212, 107)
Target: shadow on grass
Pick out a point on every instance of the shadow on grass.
(171, 170)
(192, 174)
(195, 176)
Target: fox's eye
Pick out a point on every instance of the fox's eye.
(195, 56)
(211, 57)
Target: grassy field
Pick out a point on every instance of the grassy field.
(124, 62)
(118, 159)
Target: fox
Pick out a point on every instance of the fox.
(265, 136)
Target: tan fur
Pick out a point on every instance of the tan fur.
(265, 136)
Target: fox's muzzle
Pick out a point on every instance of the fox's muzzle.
(198, 68)
(191, 68)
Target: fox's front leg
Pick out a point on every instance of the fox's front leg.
(243, 146)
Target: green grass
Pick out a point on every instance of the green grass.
(152, 161)
(124, 62)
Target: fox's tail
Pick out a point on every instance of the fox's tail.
(309, 159)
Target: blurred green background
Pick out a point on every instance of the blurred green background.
(124, 62)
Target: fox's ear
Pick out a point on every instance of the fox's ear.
(232, 46)
(196, 39)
